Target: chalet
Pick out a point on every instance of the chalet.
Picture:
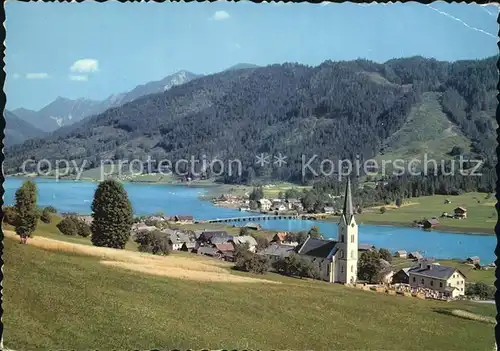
(446, 280)
(401, 254)
(415, 255)
(430, 223)
(460, 212)
(328, 210)
(265, 204)
(245, 239)
(253, 226)
(276, 252)
(473, 260)
(184, 219)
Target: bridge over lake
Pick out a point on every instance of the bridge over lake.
(262, 217)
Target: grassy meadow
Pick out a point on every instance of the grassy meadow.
(481, 217)
(57, 297)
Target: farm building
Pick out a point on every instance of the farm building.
(473, 260)
(460, 212)
(430, 223)
(401, 254)
(447, 280)
(415, 256)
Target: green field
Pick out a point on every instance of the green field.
(58, 300)
(481, 217)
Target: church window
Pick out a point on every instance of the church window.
(341, 269)
(352, 238)
(352, 269)
(342, 238)
(352, 253)
(341, 253)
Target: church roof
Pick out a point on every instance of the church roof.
(317, 247)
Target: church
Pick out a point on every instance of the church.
(337, 260)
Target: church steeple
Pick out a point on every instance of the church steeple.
(348, 210)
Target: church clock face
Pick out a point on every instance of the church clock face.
(352, 225)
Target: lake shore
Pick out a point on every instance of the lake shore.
(213, 190)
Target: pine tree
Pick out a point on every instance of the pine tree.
(112, 215)
(26, 209)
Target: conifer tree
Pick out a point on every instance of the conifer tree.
(26, 209)
(112, 215)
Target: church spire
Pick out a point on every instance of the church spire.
(348, 210)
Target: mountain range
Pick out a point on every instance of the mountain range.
(63, 111)
(336, 110)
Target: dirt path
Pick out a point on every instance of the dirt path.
(188, 267)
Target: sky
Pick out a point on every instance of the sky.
(93, 50)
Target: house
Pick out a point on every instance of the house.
(275, 252)
(446, 280)
(279, 206)
(328, 210)
(265, 204)
(245, 239)
(293, 203)
(401, 254)
(141, 227)
(337, 260)
(86, 219)
(205, 236)
(279, 237)
(188, 246)
(365, 247)
(415, 255)
(177, 238)
(253, 226)
(460, 212)
(184, 219)
(282, 238)
(228, 256)
(430, 223)
(473, 260)
(208, 251)
(225, 247)
(401, 277)
(214, 240)
(386, 273)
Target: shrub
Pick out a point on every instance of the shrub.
(385, 254)
(244, 231)
(45, 217)
(481, 290)
(154, 242)
(383, 209)
(298, 266)
(68, 226)
(253, 263)
(51, 209)
(83, 228)
(9, 215)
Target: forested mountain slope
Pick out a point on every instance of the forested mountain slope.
(17, 130)
(336, 110)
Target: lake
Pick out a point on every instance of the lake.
(72, 196)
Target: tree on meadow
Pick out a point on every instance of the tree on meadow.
(112, 215)
(26, 210)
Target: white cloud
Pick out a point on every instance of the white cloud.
(85, 66)
(78, 77)
(220, 15)
(37, 76)
(16, 76)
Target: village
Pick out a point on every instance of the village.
(421, 277)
